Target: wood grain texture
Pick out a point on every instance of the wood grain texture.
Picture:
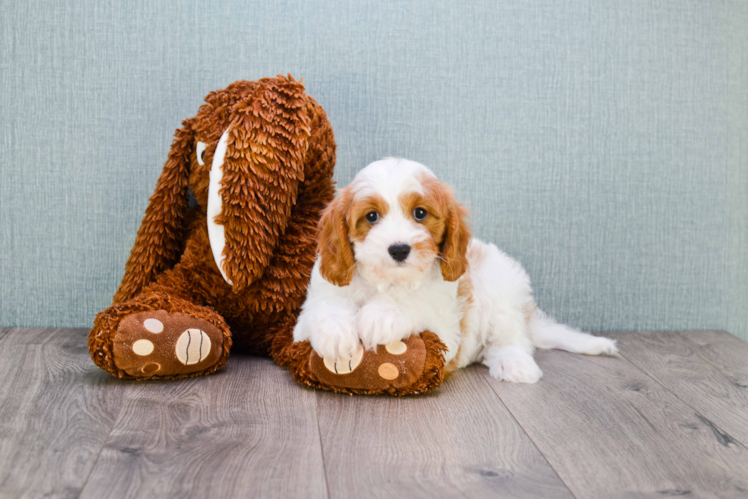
(56, 411)
(457, 442)
(708, 370)
(601, 426)
(247, 431)
(611, 431)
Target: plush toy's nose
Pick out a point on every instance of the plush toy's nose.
(399, 251)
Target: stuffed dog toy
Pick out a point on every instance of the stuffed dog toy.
(241, 255)
(226, 249)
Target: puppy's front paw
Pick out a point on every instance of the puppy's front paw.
(332, 335)
(513, 365)
(381, 325)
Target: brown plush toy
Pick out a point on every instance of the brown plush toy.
(233, 267)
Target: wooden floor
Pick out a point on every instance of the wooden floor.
(667, 419)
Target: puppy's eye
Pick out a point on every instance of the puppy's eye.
(372, 217)
(200, 152)
(419, 214)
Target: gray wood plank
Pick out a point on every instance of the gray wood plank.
(56, 411)
(457, 442)
(609, 430)
(708, 370)
(247, 431)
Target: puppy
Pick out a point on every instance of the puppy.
(396, 257)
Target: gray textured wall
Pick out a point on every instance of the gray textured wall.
(603, 143)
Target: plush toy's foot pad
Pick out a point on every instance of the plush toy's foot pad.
(157, 344)
(395, 366)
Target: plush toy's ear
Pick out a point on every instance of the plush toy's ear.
(159, 242)
(334, 247)
(255, 176)
(455, 241)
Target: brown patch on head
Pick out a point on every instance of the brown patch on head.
(446, 221)
(435, 221)
(342, 221)
(356, 217)
(333, 243)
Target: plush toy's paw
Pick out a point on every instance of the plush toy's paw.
(158, 344)
(398, 368)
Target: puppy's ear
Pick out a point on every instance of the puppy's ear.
(455, 241)
(334, 247)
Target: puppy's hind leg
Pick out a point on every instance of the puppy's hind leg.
(508, 354)
(546, 333)
(511, 363)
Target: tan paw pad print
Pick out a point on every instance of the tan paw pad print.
(396, 348)
(142, 347)
(153, 325)
(388, 371)
(192, 347)
(344, 366)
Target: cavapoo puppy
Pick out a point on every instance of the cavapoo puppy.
(396, 257)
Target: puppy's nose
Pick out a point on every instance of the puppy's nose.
(399, 251)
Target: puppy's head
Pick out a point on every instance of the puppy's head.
(392, 224)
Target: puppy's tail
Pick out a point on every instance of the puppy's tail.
(546, 333)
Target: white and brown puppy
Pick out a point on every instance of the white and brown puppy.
(397, 257)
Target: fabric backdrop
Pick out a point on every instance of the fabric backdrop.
(602, 143)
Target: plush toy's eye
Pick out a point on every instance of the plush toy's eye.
(419, 214)
(200, 152)
(372, 217)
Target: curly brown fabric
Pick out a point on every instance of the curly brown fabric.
(277, 179)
